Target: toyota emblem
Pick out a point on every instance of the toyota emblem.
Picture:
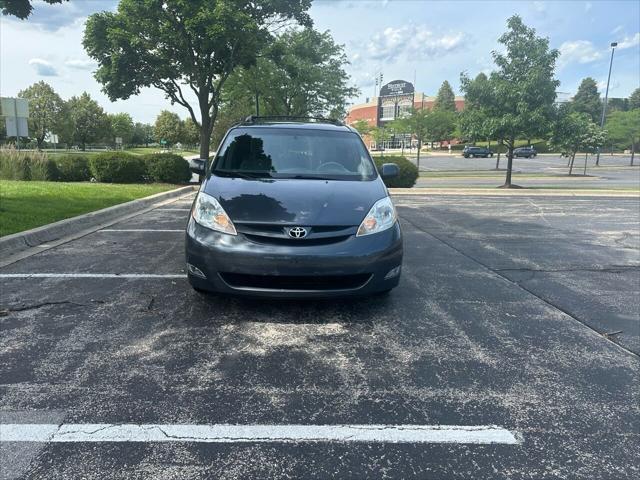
(297, 232)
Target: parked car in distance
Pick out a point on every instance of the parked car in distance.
(526, 152)
(473, 152)
(293, 208)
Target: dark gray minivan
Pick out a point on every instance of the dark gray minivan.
(293, 209)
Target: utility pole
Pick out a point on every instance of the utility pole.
(606, 97)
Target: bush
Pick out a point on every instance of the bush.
(408, 171)
(167, 168)
(117, 167)
(73, 168)
(21, 165)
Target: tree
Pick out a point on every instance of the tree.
(88, 122)
(45, 110)
(190, 132)
(194, 44)
(634, 99)
(362, 126)
(441, 125)
(301, 74)
(446, 99)
(168, 128)
(142, 134)
(624, 129)
(520, 94)
(20, 8)
(573, 132)
(121, 126)
(418, 124)
(587, 100)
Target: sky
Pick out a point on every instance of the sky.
(402, 39)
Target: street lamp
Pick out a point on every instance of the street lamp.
(606, 97)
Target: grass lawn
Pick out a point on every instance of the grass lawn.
(25, 205)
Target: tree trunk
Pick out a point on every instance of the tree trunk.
(498, 159)
(633, 151)
(507, 181)
(585, 164)
(40, 141)
(418, 156)
(571, 159)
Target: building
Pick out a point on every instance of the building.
(395, 98)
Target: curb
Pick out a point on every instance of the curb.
(17, 243)
(523, 192)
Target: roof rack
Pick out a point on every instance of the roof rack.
(289, 118)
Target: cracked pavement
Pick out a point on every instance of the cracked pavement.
(507, 314)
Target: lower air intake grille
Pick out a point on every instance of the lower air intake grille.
(280, 282)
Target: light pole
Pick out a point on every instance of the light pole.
(606, 97)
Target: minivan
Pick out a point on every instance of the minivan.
(293, 208)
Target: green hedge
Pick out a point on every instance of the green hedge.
(167, 168)
(18, 165)
(408, 171)
(117, 167)
(73, 168)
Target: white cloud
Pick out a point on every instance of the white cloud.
(539, 7)
(578, 51)
(80, 64)
(618, 29)
(43, 68)
(629, 42)
(412, 42)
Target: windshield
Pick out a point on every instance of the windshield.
(294, 153)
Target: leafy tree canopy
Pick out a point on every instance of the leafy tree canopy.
(121, 126)
(446, 99)
(184, 44)
(624, 128)
(45, 110)
(21, 8)
(301, 74)
(168, 128)
(88, 121)
(520, 94)
(587, 100)
(634, 99)
(362, 126)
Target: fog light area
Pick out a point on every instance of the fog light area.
(394, 272)
(195, 271)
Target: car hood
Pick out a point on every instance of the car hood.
(295, 201)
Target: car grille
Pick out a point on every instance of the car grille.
(270, 234)
(301, 283)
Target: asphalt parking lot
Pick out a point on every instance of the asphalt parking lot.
(518, 314)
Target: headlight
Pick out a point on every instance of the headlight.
(381, 217)
(210, 214)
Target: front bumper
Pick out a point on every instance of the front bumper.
(219, 256)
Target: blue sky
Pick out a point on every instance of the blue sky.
(432, 40)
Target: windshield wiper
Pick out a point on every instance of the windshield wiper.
(246, 175)
(312, 177)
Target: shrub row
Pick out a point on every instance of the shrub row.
(19, 165)
(408, 171)
(111, 167)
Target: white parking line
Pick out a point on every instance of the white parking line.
(91, 275)
(256, 433)
(141, 230)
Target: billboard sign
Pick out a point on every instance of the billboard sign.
(397, 87)
(14, 107)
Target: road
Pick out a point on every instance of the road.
(515, 315)
(614, 172)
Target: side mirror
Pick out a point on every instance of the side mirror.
(197, 165)
(389, 170)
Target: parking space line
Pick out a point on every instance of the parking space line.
(141, 230)
(91, 275)
(256, 433)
